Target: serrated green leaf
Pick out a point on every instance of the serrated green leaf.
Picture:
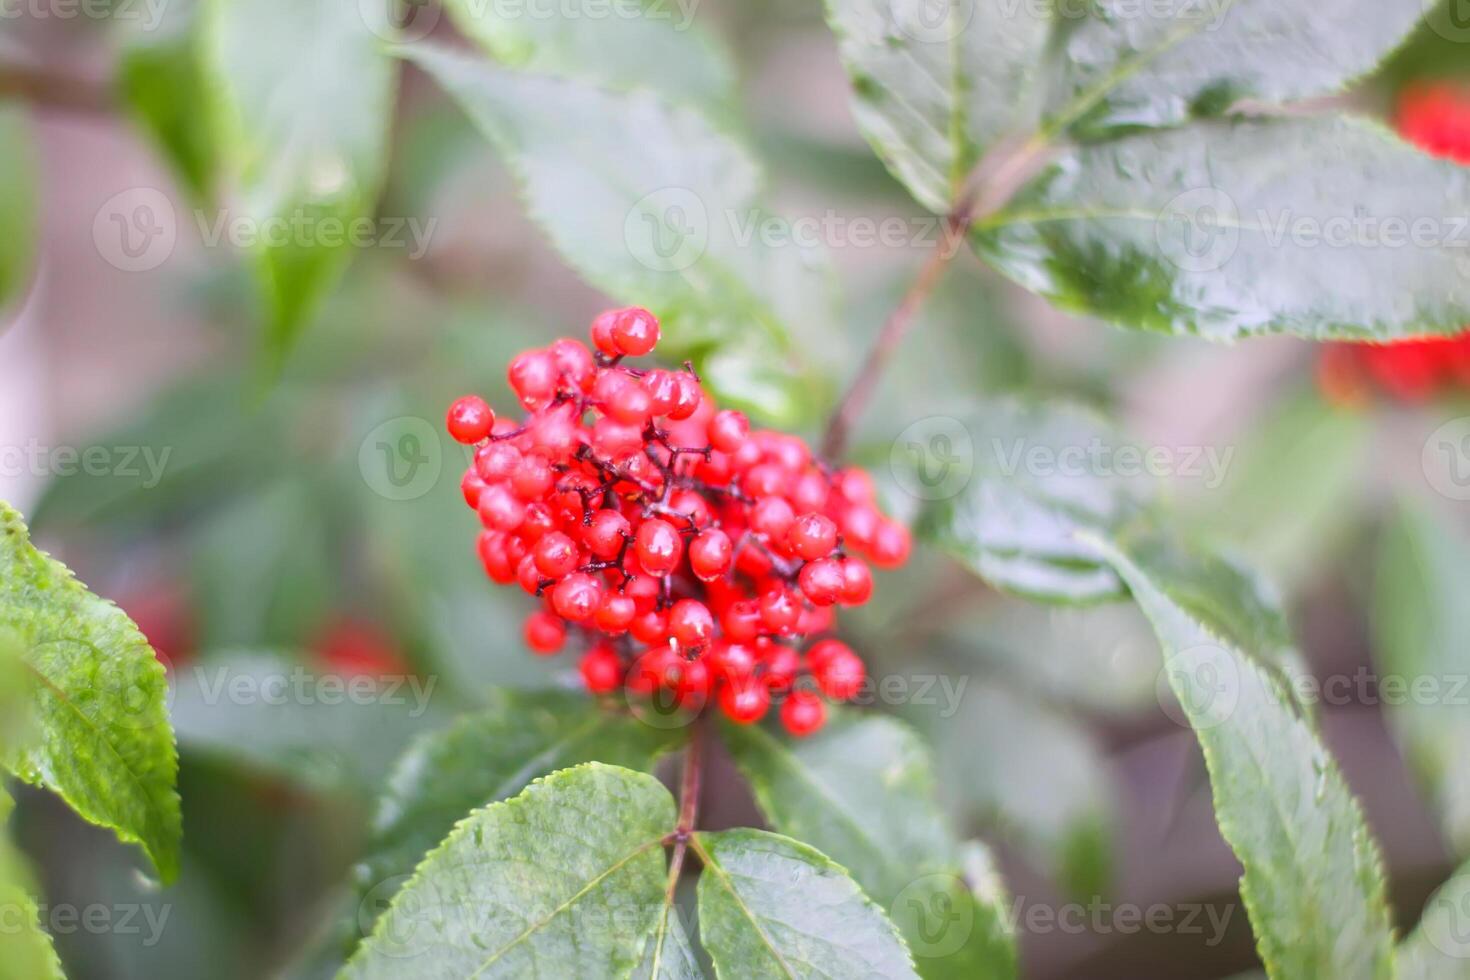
(1126, 65)
(101, 736)
(1319, 228)
(669, 220)
(303, 95)
(862, 792)
(772, 907)
(653, 44)
(1011, 486)
(670, 954)
(1439, 947)
(564, 880)
(937, 85)
(490, 756)
(19, 193)
(160, 77)
(1314, 882)
(1420, 622)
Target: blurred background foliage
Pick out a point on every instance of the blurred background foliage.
(272, 535)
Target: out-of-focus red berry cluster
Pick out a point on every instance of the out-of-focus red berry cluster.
(694, 556)
(1434, 116)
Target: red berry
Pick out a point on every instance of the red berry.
(780, 610)
(840, 677)
(812, 536)
(556, 555)
(501, 509)
(803, 713)
(824, 650)
(890, 546)
(728, 430)
(650, 627)
(472, 486)
(601, 669)
(615, 614)
(573, 362)
(782, 665)
(532, 377)
(545, 633)
(630, 404)
(634, 331)
(742, 621)
(857, 582)
(821, 581)
(733, 662)
(690, 623)
(745, 703)
(688, 396)
(710, 554)
(602, 337)
(612, 438)
(470, 419)
(576, 597)
(496, 461)
(772, 517)
(659, 546)
(606, 533)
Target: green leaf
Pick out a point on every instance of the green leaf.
(862, 792)
(564, 880)
(1313, 883)
(19, 194)
(160, 77)
(1439, 948)
(26, 952)
(101, 734)
(1126, 65)
(304, 99)
(1012, 486)
(669, 954)
(490, 756)
(937, 85)
(772, 907)
(668, 220)
(1319, 228)
(1420, 623)
(659, 47)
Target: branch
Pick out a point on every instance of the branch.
(990, 186)
(689, 790)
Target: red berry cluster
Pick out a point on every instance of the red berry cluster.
(695, 556)
(1435, 117)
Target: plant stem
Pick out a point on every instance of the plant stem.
(52, 90)
(989, 188)
(689, 790)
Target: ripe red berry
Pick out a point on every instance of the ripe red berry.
(840, 677)
(606, 533)
(601, 669)
(710, 554)
(659, 546)
(634, 331)
(576, 597)
(630, 404)
(545, 634)
(472, 486)
(821, 581)
(742, 621)
(857, 582)
(781, 666)
(745, 703)
(728, 430)
(556, 555)
(733, 662)
(812, 536)
(825, 650)
(602, 337)
(803, 713)
(501, 509)
(532, 377)
(780, 610)
(470, 419)
(615, 614)
(573, 362)
(496, 461)
(690, 623)
(891, 545)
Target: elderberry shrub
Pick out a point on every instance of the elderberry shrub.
(693, 557)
